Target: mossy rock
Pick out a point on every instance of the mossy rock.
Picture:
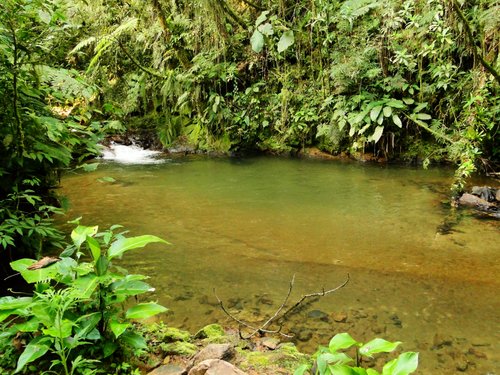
(170, 334)
(179, 348)
(212, 331)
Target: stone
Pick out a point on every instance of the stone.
(497, 195)
(215, 367)
(378, 329)
(210, 331)
(317, 314)
(339, 317)
(461, 363)
(270, 343)
(484, 192)
(478, 354)
(214, 351)
(304, 335)
(167, 370)
(470, 200)
(440, 341)
(396, 321)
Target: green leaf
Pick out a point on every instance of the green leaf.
(80, 233)
(340, 370)
(11, 303)
(29, 326)
(423, 116)
(341, 341)
(86, 285)
(123, 244)
(34, 350)
(379, 130)
(405, 364)
(144, 310)
(394, 103)
(286, 40)
(90, 167)
(257, 41)
(134, 340)
(130, 287)
(301, 370)
(34, 276)
(387, 111)
(107, 179)
(85, 326)
(266, 29)
(378, 346)
(408, 101)
(109, 348)
(261, 18)
(397, 121)
(60, 329)
(375, 112)
(118, 328)
(95, 248)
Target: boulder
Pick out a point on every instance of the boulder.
(214, 351)
(484, 192)
(167, 370)
(471, 200)
(215, 367)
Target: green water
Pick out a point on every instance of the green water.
(245, 227)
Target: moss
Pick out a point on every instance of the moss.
(170, 334)
(179, 348)
(212, 331)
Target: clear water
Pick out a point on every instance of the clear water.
(245, 227)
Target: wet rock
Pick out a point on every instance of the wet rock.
(478, 354)
(214, 351)
(470, 200)
(210, 331)
(215, 367)
(304, 335)
(167, 370)
(378, 329)
(484, 192)
(440, 341)
(264, 300)
(396, 321)
(339, 317)
(317, 314)
(461, 363)
(497, 195)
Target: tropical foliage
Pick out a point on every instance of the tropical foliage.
(76, 317)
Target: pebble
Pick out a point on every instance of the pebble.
(339, 317)
(476, 353)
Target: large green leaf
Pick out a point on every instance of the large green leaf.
(80, 233)
(144, 310)
(86, 285)
(286, 40)
(405, 364)
(134, 340)
(341, 341)
(34, 350)
(261, 18)
(257, 41)
(375, 112)
(266, 29)
(34, 276)
(122, 245)
(12, 303)
(379, 130)
(61, 329)
(378, 346)
(118, 328)
(130, 287)
(95, 248)
(397, 121)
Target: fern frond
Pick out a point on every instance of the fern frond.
(84, 43)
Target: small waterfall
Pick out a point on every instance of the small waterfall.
(131, 154)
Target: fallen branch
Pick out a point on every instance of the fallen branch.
(275, 317)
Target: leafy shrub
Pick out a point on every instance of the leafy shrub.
(76, 318)
(331, 361)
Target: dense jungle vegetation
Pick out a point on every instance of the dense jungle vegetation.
(412, 80)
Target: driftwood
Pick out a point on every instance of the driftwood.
(276, 317)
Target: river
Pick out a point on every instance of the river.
(245, 227)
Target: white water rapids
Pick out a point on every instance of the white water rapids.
(131, 154)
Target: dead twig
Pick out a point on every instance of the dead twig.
(275, 317)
